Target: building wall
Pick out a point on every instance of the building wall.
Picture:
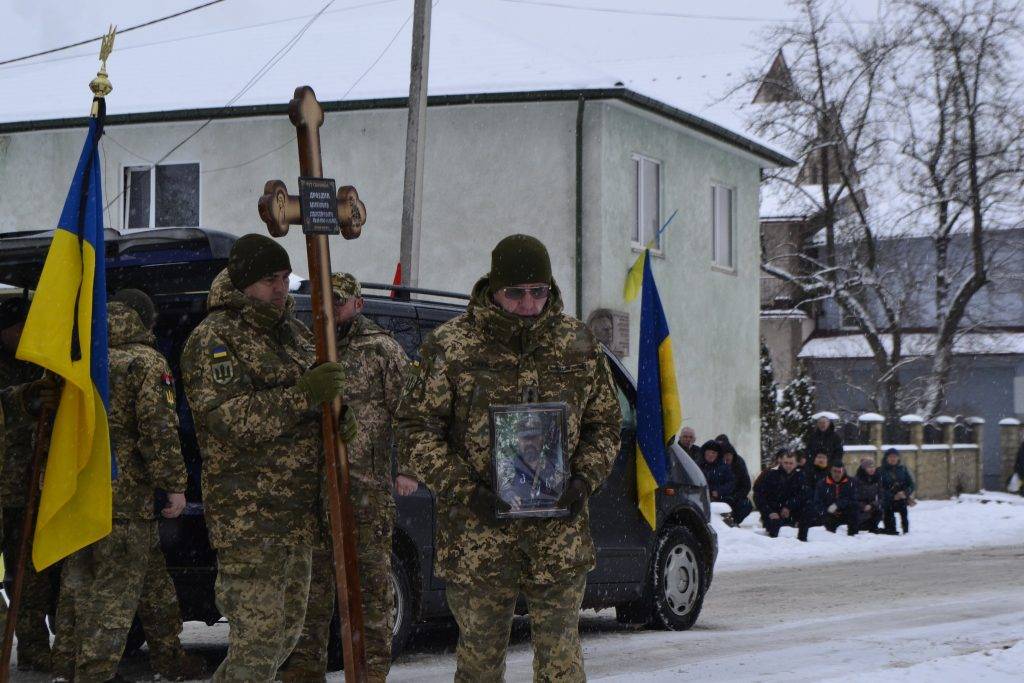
(713, 315)
(490, 170)
(979, 385)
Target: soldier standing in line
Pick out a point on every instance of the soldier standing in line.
(102, 583)
(514, 345)
(374, 363)
(38, 591)
(256, 399)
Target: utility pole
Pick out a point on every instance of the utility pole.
(415, 136)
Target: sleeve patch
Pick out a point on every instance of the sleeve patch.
(219, 353)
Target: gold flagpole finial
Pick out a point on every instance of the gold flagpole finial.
(100, 85)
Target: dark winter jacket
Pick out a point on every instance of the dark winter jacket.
(842, 493)
(869, 488)
(742, 477)
(895, 478)
(812, 477)
(719, 476)
(828, 442)
(1019, 466)
(776, 490)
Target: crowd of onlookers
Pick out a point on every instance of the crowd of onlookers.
(807, 487)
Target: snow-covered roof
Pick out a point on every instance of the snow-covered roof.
(359, 51)
(916, 344)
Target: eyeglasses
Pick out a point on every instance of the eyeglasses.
(517, 293)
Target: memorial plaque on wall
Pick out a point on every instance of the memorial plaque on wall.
(611, 329)
(319, 201)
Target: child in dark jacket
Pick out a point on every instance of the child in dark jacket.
(897, 491)
(836, 499)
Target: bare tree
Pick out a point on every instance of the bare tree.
(908, 126)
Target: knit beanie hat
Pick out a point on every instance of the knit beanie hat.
(254, 257)
(138, 301)
(519, 260)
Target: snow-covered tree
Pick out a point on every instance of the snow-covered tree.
(796, 408)
(770, 432)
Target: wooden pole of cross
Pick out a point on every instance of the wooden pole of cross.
(316, 211)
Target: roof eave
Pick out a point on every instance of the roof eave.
(697, 123)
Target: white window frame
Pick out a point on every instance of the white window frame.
(126, 198)
(715, 264)
(637, 164)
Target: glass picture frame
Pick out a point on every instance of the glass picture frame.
(529, 442)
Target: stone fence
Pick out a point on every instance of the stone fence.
(941, 470)
(1010, 433)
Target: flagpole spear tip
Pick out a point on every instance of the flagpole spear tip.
(100, 85)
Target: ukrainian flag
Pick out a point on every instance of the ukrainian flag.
(66, 333)
(658, 413)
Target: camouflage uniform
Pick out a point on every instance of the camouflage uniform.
(486, 357)
(105, 580)
(374, 363)
(38, 591)
(262, 467)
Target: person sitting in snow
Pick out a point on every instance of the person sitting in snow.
(897, 492)
(779, 495)
(836, 500)
(739, 500)
(759, 479)
(869, 495)
(721, 481)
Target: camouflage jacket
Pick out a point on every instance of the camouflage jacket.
(486, 357)
(143, 417)
(258, 432)
(20, 435)
(374, 364)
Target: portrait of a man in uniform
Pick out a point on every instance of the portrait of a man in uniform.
(529, 461)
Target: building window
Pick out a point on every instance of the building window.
(723, 227)
(647, 203)
(162, 196)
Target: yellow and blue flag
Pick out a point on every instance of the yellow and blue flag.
(66, 333)
(658, 414)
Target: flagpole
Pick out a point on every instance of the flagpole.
(27, 524)
(100, 87)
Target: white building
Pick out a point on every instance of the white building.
(500, 158)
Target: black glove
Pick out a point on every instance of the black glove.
(43, 394)
(486, 505)
(575, 496)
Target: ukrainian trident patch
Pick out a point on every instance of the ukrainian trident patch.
(222, 368)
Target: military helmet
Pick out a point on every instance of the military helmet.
(345, 285)
(529, 425)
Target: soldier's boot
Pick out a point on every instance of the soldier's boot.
(300, 674)
(178, 666)
(34, 659)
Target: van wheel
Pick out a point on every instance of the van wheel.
(680, 579)
(401, 612)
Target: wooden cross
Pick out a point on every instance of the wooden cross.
(279, 210)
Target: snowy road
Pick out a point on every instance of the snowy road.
(802, 623)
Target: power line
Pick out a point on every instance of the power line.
(655, 13)
(343, 96)
(260, 73)
(118, 32)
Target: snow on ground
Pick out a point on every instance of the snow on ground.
(970, 521)
(1001, 664)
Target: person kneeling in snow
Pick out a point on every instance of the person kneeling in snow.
(739, 500)
(721, 482)
(869, 489)
(897, 491)
(836, 499)
(779, 494)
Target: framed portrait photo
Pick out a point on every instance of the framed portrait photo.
(528, 458)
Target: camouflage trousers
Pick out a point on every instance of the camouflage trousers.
(484, 614)
(37, 594)
(102, 587)
(262, 590)
(375, 521)
(158, 611)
